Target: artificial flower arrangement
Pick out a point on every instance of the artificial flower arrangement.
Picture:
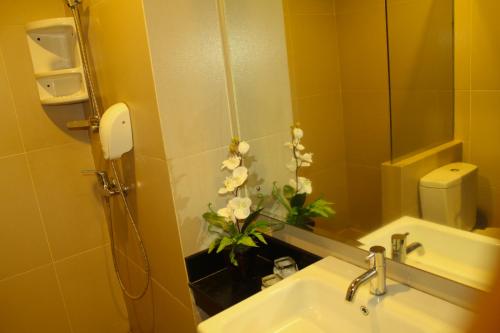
(236, 224)
(293, 195)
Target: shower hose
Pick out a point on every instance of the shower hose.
(95, 116)
(130, 218)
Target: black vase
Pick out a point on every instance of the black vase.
(246, 257)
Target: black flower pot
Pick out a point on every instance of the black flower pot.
(246, 258)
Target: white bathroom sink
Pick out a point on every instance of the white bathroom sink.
(313, 300)
(462, 256)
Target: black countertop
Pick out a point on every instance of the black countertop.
(215, 285)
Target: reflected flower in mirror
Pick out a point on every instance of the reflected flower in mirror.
(236, 225)
(293, 196)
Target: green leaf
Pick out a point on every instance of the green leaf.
(247, 240)
(321, 208)
(212, 218)
(298, 200)
(261, 225)
(250, 219)
(232, 257)
(288, 191)
(226, 241)
(280, 198)
(259, 236)
(213, 245)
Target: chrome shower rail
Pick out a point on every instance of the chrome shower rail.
(93, 121)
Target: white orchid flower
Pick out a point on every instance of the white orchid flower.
(243, 147)
(227, 213)
(292, 165)
(239, 176)
(229, 185)
(304, 186)
(240, 207)
(298, 133)
(231, 163)
(307, 157)
(297, 145)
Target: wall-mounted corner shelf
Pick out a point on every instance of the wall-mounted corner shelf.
(57, 63)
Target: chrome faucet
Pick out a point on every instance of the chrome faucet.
(108, 187)
(399, 247)
(375, 273)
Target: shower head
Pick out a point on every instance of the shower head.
(73, 3)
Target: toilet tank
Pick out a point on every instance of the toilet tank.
(448, 195)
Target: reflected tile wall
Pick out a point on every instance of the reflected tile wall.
(365, 100)
(313, 58)
(477, 97)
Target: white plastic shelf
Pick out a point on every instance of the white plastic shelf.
(56, 61)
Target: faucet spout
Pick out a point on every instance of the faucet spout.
(353, 287)
(375, 274)
(412, 247)
(400, 249)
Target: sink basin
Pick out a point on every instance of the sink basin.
(312, 300)
(459, 255)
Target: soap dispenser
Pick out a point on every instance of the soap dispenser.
(115, 131)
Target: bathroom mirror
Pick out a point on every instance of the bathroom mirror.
(371, 84)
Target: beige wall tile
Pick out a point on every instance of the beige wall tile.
(156, 214)
(11, 139)
(331, 185)
(418, 59)
(32, 302)
(342, 6)
(20, 13)
(195, 181)
(462, 26)
(421, 122)
(322, 119)
(421, 73)
(489, 206)
(171, 316)
(41, 127)
(188, 67)
(365, 197)
(266, 161)
(116, 46)
(70, 203)
(314, 53)
(484, 134)
(91, 292)
(366, 126)
(462, 120)
(310, 7)
(257, 53)
(22, 240)
(485, 46)
(362, 44)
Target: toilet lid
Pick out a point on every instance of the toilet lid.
(447, 176)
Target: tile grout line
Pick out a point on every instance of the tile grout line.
(55, 262)
(51, 253)
(11, 95)
(37, 201)
(25, 272)
(469, 83)
(12, 156)
(102, 246)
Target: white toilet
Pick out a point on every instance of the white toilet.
(448, 195)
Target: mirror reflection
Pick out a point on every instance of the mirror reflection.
(371, 85)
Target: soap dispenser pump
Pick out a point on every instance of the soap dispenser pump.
(115, 131)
